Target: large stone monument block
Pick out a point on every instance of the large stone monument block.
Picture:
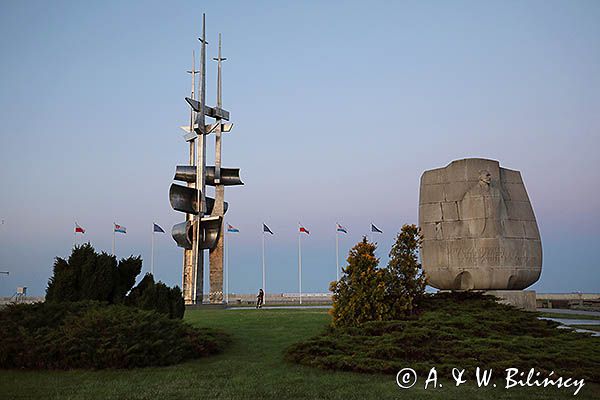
(479, 229)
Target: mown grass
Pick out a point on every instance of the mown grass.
(252, 367)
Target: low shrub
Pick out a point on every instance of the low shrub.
(71, 335)
(454, 330)
(90, 276)
(156, 296)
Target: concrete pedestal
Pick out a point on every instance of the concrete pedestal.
(523, 299)
(205, 306)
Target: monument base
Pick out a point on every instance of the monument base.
(206, 306)
(523, 299)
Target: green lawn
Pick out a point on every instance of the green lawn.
(252, 368)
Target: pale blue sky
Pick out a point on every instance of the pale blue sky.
(338, 109)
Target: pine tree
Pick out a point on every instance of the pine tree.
(405, 278)
(359, 296)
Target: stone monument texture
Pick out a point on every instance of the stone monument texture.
(479, 228)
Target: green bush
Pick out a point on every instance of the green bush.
(88, 275)
(149, 295)
(462, 330)
(70, 335)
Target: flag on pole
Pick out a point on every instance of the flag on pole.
(266, 229)
(157, 228)
(120, 229)
(375, 229)
(303, 229)
(233, 229)
(79, 229)
(341, 228)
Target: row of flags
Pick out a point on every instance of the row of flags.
(301, 228)
(117, 228)
(120, 228)
(230, 228)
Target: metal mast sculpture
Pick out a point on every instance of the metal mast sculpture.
(203, 228)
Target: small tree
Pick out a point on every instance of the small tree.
(405, 278)
(359, 296)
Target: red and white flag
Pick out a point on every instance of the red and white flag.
(79, 229)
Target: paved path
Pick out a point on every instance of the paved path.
(279, 307)
(568, 311)
(566, 321)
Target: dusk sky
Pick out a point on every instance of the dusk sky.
(338, 108)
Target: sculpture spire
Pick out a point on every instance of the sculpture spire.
(193, 72)
(216, 253)
(219, 59)
(200, 169)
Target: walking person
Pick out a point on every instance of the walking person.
(260, 298)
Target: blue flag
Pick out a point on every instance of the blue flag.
(266, 229)
(158, 229)
(375, 229)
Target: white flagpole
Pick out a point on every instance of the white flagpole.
(337, 255)
(300, 263)
(152, 253)
(226, 244)
(113, 248)
(264, 285)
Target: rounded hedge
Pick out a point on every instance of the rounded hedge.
(463, 330)
(96, 335)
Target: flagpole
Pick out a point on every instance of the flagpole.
(113, 248)
(264, 287)
(337, 255)
(300, 263)
(226, 245)
(152, 253)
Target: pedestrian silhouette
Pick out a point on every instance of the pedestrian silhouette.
(260, 298)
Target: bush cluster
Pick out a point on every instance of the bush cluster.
(454, 330)
(66, 335)
(88, 275)
(368, 293)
